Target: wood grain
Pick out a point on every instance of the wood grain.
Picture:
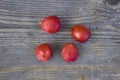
(20, 33)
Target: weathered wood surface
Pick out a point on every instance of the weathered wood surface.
(20, 34)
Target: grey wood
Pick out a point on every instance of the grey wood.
(20, 34)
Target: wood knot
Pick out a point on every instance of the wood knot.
(112, 2)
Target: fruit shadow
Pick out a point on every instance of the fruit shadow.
(57, 49)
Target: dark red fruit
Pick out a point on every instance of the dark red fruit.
(70, 52)
(81, 33)
(44, 52)
(51, 24)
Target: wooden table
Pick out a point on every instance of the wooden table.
(20, 34)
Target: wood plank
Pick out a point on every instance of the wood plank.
(20, 34)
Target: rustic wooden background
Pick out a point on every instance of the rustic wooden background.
(20, 34)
